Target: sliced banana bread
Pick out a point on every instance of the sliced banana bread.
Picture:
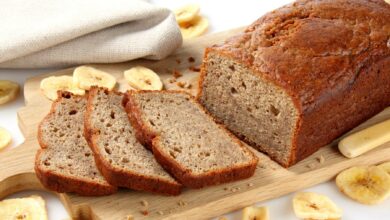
(65, 162)
(186, 141)
(122, 160)
(301, 75)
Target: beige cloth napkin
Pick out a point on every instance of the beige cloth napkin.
(48, 33)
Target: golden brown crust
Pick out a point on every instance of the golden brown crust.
(120, 177)
(61, 183)
(325, 56)
(186, 178)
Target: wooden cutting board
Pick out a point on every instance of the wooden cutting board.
(269, 181)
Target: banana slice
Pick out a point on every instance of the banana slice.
(50, 85)
(30, 208)
(142, 78)
(255, 213)
(309, 205)
(367, 185)
(84, 77)
(186, 13)
(5, 138)
(8, 91)
(385, 166)
(194, 28)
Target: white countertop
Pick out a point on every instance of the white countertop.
(223, 15)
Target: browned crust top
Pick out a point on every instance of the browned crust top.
(312, 47)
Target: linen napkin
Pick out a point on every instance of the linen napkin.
(52, 33)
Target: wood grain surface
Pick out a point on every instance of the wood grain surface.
(269, 181)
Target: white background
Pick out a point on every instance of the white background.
(223, 15)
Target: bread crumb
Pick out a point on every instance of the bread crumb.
(225, 188)
(144, 203)
(171, 80)
(222, 218)
(145, 212)
(176, 74)
(191, 59)
(187, 85)
(310, 165)
(184, 85)
(250, 184)
(194, 69)
(181, 203)
(129, 217)
(160, 212)
(178, 61)
(235, 189)
(321, 159)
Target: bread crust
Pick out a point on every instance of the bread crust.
(183, 175)
(336, 78)
(120, 177)
(61, 183)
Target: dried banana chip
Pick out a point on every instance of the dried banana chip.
(8, 91)
(385, 166)
(368, 185)
(142, 78)
(50, 85)
(255, 213)
(84, 77)
(194, 28)
(5, 138)
(186, 13)
(29, 208)
(309, 205)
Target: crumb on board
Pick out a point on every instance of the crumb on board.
(171, 80)
(191, 59)
(310, 165)
(176, 74)
(194, 68)
(129, 217)
(235, 189)
(250, 184)
(181, 203)
(144, 203)
(222, 218)
(160, 212)
(184, 85)
(321, 159)
(144, 212)
(178, 61)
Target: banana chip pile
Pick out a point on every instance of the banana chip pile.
(190, 22)
(84, 77)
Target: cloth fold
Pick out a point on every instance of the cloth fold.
(52, 33)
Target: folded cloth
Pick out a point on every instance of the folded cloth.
(52, 33)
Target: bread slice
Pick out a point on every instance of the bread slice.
(186, 141)
(122, 160)
(65, 162)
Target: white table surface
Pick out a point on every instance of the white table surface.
(223, 15)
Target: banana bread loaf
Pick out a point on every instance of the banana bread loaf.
(301, 75)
